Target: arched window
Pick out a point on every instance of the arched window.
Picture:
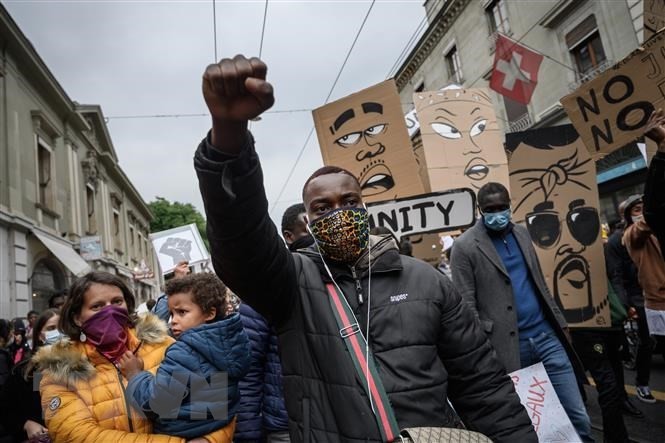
(47, 279)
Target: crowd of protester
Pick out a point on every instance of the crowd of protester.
(265, 360)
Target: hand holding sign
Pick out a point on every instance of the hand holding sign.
(654, 128)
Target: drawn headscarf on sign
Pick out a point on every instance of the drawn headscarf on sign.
(555, 195)
(366, 134)
(462, 141)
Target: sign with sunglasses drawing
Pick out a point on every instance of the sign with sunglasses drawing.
(366, 134)
(463, 146)
(554, 193)
(611, 110)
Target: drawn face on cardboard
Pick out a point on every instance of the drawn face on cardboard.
(463, 145)
(365, 133)
(555, 194)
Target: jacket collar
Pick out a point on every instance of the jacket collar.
(382, 251)
(69, 361)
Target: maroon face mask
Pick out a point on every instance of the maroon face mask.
(107, 331)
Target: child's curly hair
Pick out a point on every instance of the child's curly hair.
(207, 291)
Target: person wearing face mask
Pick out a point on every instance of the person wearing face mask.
(82, 388)
(406, 341)
(644, 238)
(294, 228)
(24, 417)
(495, 267)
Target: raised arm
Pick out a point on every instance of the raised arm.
(247, 252)
(654, 189)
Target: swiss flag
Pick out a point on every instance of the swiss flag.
(515, 71)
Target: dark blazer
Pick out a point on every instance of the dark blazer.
(481, 278)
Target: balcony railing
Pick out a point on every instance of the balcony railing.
(521, 124)
(590, 74)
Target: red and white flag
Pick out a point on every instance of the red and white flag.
(515, 71)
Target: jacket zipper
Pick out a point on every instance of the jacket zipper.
(124, 396)
(359, 287)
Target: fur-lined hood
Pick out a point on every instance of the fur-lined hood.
(67, 361)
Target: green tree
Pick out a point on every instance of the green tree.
(168, 215)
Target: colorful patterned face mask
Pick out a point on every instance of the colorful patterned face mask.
(343, 234)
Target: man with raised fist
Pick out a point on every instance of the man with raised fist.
(361, 357)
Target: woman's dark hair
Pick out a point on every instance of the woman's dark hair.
(207, 291)
(76, 297)
(39, 325)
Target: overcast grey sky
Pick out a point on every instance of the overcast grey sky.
(147, 58)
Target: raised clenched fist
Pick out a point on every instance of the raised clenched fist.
(236, 90)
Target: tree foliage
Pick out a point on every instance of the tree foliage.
(168, 215)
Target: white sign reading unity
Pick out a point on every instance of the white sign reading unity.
(183, 243)
(538, 397)
(420, 214)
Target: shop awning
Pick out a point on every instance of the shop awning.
(64, 252)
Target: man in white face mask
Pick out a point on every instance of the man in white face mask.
(406, 343)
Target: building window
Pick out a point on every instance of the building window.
(498, 17)
(586, 47)
(90, 204)
(132, 243)
(589, 55)
(117, 241)
(44, 175)
(517, 115)
(454, 65)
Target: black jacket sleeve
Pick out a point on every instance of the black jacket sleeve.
(615, 269)
(654, 198)
(485, 397)
(247, 252)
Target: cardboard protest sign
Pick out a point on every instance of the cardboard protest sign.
(426, 213)
(539, 398)
(366, 134)
(555, 194)
(654, 17)
(611, 110)
(183, 243)
(462, 142)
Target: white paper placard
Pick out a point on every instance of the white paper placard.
(656, 321)
(542, 404)
(178, 244)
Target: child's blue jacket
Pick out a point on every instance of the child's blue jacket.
(195, 390)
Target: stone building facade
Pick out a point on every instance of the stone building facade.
(579, 39)
(61, 188)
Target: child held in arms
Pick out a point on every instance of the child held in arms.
(195, 389)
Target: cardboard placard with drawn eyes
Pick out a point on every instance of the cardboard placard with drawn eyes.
(463, 146)
(365, 133)
(555, 195)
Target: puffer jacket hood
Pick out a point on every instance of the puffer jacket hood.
(67, 364)
(221, 343)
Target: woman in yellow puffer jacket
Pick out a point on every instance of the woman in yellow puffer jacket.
(82, 390)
